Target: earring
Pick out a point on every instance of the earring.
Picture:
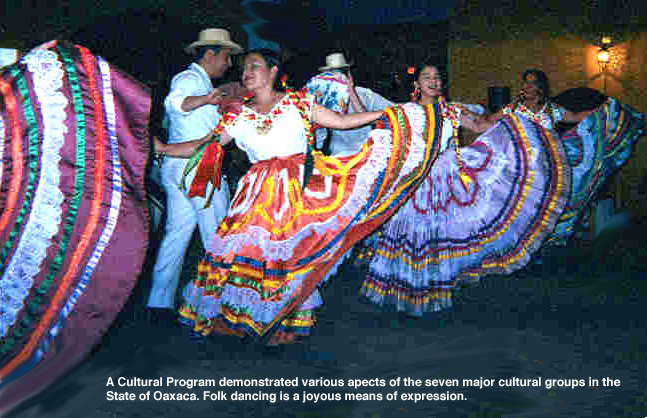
(415, 94)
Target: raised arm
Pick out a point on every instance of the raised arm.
(193, 102)
(355, 101)
(180, 100)
(329, 119)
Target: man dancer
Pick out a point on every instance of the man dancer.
(334, 88)
(192, 112)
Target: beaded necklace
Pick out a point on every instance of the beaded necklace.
(264, 124)
(540, 116)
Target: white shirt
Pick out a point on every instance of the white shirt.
(187, 126)
(284, 135)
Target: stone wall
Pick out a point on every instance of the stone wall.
(482, 54)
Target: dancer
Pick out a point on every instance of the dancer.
(192, 111)
(596, 147)
(296, 212)
(334, 88)
(450, 232)
(600, 143)
(482, 209)
(74, 222)
(534, 103)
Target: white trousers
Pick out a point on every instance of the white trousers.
(182, 216)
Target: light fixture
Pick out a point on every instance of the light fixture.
(603, 58)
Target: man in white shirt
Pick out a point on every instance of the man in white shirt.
(192, 112)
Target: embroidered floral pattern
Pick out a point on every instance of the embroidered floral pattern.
(263, 122)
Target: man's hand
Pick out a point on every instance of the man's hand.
(193, 102)
(215, 97)
(351, 82)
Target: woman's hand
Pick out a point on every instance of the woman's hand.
(159, 147)
(215, 97)
(225, 138)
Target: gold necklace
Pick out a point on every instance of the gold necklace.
(264, 121)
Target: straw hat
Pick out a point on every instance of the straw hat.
(219, 37)
(336, 60)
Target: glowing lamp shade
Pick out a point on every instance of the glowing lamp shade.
(411, 70)
(603, 56)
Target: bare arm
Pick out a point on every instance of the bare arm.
(494, 117)
(473, 122)
(186, 149)
(355, 101)
(330, 119)
(193, 102)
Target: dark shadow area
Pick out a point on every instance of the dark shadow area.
(577, 314)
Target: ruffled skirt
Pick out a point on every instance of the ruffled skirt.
(595, 148)
(279, 241)
(515, 184)
(74, 223)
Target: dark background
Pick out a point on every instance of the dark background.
(579, 314)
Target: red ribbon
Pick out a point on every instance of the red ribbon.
(208, 170)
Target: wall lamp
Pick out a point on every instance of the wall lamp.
(603, 54)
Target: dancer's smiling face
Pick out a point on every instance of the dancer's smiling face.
(532, 88)
(429, 82)
(257, 74)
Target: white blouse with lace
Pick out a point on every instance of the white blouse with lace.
(278, 133)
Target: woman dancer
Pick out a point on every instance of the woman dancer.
(73, 225)
(296, 212)
(452, 231)
(534, 103)
(600, 143)
(482, 209)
